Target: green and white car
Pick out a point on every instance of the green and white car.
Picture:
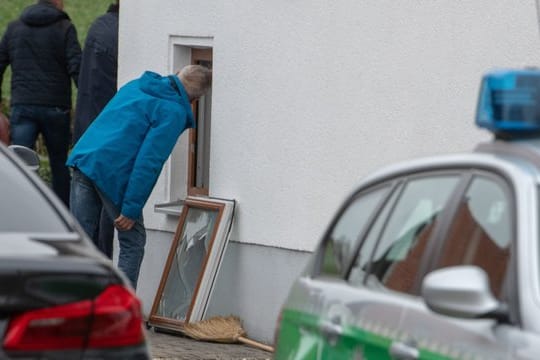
(435, 258)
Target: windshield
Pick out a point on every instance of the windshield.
(22, 206)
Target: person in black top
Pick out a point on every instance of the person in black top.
(97, 85)
(45, 55)
(99, 69)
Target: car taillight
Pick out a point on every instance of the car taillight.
(117, 319)
(113, 319)
(60, 327)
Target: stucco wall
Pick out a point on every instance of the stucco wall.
(310, 95)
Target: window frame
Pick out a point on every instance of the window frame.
(178, 169)
(208, 268)
(198, 55)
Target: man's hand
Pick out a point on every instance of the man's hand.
(123, 223)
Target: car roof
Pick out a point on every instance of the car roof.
(522, 155)
(43, 191)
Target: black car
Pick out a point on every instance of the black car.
(59, 296)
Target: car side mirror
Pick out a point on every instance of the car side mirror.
(461, 291)
(27, 155)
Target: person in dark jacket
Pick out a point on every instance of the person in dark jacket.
(99, 69)
(97, 85)
(118, 159)
(44, 54)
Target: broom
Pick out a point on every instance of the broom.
(222, 329)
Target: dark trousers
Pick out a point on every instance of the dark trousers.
(28, 121)
(105, 234)
(87, 204)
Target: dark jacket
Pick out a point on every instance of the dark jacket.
(44, 53)
(97, 78)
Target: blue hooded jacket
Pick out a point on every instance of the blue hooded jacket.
(125, 147)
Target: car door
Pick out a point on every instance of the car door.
(313, 315)
(332, 312)
(480, 232)
(388, 276)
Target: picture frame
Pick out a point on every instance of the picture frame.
(193, 262)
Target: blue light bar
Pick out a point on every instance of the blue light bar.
(509, 103)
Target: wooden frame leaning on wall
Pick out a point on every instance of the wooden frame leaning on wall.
(193, 262)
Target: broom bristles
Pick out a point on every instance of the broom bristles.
(223, 329)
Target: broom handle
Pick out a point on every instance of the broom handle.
(255, 344)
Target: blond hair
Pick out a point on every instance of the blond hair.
(196, 79)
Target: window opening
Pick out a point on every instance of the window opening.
(345, 235)
(199, 139)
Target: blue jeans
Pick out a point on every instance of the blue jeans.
(28, 121)
(86, 204)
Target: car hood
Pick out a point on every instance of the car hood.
(44, 245)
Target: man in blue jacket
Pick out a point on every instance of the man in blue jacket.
(97, 85)
(117, 161)
(44, 54)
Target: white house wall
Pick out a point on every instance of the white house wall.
(308, 97)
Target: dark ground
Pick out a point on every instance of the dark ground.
(169, 346)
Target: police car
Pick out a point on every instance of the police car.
(434, 258)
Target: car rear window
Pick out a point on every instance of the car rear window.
(23, 207)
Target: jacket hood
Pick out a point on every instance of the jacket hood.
(159, 86)
(42, 14)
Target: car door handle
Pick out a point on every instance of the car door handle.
(403, 351)
(330, 329)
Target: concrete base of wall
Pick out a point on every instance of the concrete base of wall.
(252, 283)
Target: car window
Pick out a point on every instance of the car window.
(481, 231)
(346, 232)
(23, 207)
(359, 268)
(406, 231)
